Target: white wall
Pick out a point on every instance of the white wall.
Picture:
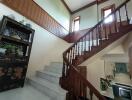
(57, 10)
(46, 47)
(96, 68)
(128, 42)
(89, 16)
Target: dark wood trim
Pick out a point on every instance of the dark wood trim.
(74, 36)
(130, 60)
(88, 5)
(34, 12)
(66, 6)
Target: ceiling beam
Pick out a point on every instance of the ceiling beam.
(66, 6)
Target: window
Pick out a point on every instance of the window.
(76, 23)
(106, 11)
(110, 18)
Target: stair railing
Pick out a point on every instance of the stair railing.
(99, 32)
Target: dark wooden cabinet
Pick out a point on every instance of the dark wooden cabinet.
(15, 47)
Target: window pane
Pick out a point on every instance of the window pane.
(110, 18)
(76, 25)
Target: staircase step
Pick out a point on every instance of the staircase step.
(86, 52)
(56, 64)
(54, 67)
(125, 27)
(115, 35)
(79, 56)
(52, 77)
(48, 88)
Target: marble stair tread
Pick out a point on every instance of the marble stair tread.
(49, 85)
(26, 93)
(50, 76)
(53, 69)
(50, 73)
(60, 64)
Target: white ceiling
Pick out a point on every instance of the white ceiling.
(76, 4)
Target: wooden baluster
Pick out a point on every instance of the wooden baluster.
(109, 28)
(70, 56)
(106, 37)
(78, 48)
(120, 17)
(82, 46)
(73, 53)
(92, 33)
(91, 95)
(85, 41)
(115, 22)
(89, 42)
(63, 70)
(97, 38)
(68, 53)
(126, 13)
(99, 30)
(67, 70)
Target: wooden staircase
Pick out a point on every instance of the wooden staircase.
(95, 40)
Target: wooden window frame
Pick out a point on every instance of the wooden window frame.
(74, 20)
(112, 7)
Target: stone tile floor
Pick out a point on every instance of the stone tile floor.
(26, 93)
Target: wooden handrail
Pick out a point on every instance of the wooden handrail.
(86, 43)
(98, 24)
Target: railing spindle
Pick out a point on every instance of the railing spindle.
(92, 37)
(85, 40)
(120, 17)
(115, 22)
(126, 13)
(78, 47)
(105, 32)
(89, 43)
(73, 53)
(97, 38)
(109, 28)
(91, 95)
(82, 46)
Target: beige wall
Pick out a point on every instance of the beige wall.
(96, 68)
(46, 47)
(128, 42)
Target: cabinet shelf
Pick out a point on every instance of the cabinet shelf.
(15, 47)
(14, 40)
(12, 60)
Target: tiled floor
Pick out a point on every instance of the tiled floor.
(26, 93)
